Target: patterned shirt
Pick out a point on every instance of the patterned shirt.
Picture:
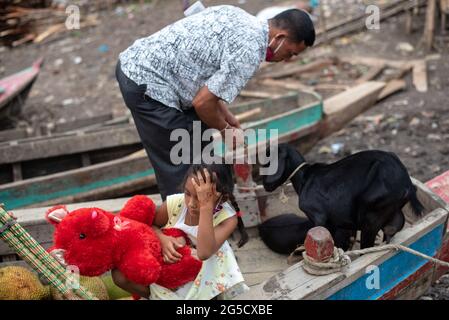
(220, 47)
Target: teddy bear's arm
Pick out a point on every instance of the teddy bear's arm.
(140, 266)
(177, 274)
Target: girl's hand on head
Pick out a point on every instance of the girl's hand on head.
(169, 248)
(205, 189)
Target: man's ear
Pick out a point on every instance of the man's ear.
(271, 182)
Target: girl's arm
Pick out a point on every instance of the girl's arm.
(161, 217)
(169, 244)
(210, 239)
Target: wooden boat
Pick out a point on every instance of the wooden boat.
(15, 88)
(299, 117)
(402, 275)
(127, 172)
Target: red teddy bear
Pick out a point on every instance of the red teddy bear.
(97, 241)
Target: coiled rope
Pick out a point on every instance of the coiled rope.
(341, 259)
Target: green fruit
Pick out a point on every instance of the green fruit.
(19, 283)
(114, 291)
(92, 284)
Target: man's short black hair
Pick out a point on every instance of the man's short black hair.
(298, 24)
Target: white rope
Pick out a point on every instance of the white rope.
(282, 196)
(294, 172)
(397, 247)
(341, 259)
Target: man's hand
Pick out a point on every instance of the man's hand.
(229, 117)
(233, 121)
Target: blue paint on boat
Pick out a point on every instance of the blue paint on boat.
(13, 201)
(394, 270)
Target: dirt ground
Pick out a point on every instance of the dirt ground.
(78, 81)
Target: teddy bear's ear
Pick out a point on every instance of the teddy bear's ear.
(56, 214)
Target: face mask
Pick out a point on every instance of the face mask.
(270, 53)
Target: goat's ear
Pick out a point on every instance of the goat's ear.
(271, 182)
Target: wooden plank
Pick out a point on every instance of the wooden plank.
(430, 200)
(343, 107)
(331, 86)
(440, 186)
(286, 84)
(264, 261)
(412, 287)
(244, 116)
(14, 134)
(420, 75)
(268, 106)
(409, 21)
(41, 148)
(35, 216)
(375, 61)
(371, 74)
(313, 66)
(123, 120)
(392, 87)
(258, 94)
(255, 278)
(429, 26)
(64, 126)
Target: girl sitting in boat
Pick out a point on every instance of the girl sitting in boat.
(205, 214)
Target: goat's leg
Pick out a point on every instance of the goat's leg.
(342, 238)
(368, 236)
(393, 226)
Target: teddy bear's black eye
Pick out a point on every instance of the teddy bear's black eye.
(82, 235)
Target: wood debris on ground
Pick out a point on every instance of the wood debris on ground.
(329, 75)
(24, 21)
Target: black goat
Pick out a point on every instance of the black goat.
(365, 191)
(283, 233)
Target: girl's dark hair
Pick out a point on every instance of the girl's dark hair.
(224, 182)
